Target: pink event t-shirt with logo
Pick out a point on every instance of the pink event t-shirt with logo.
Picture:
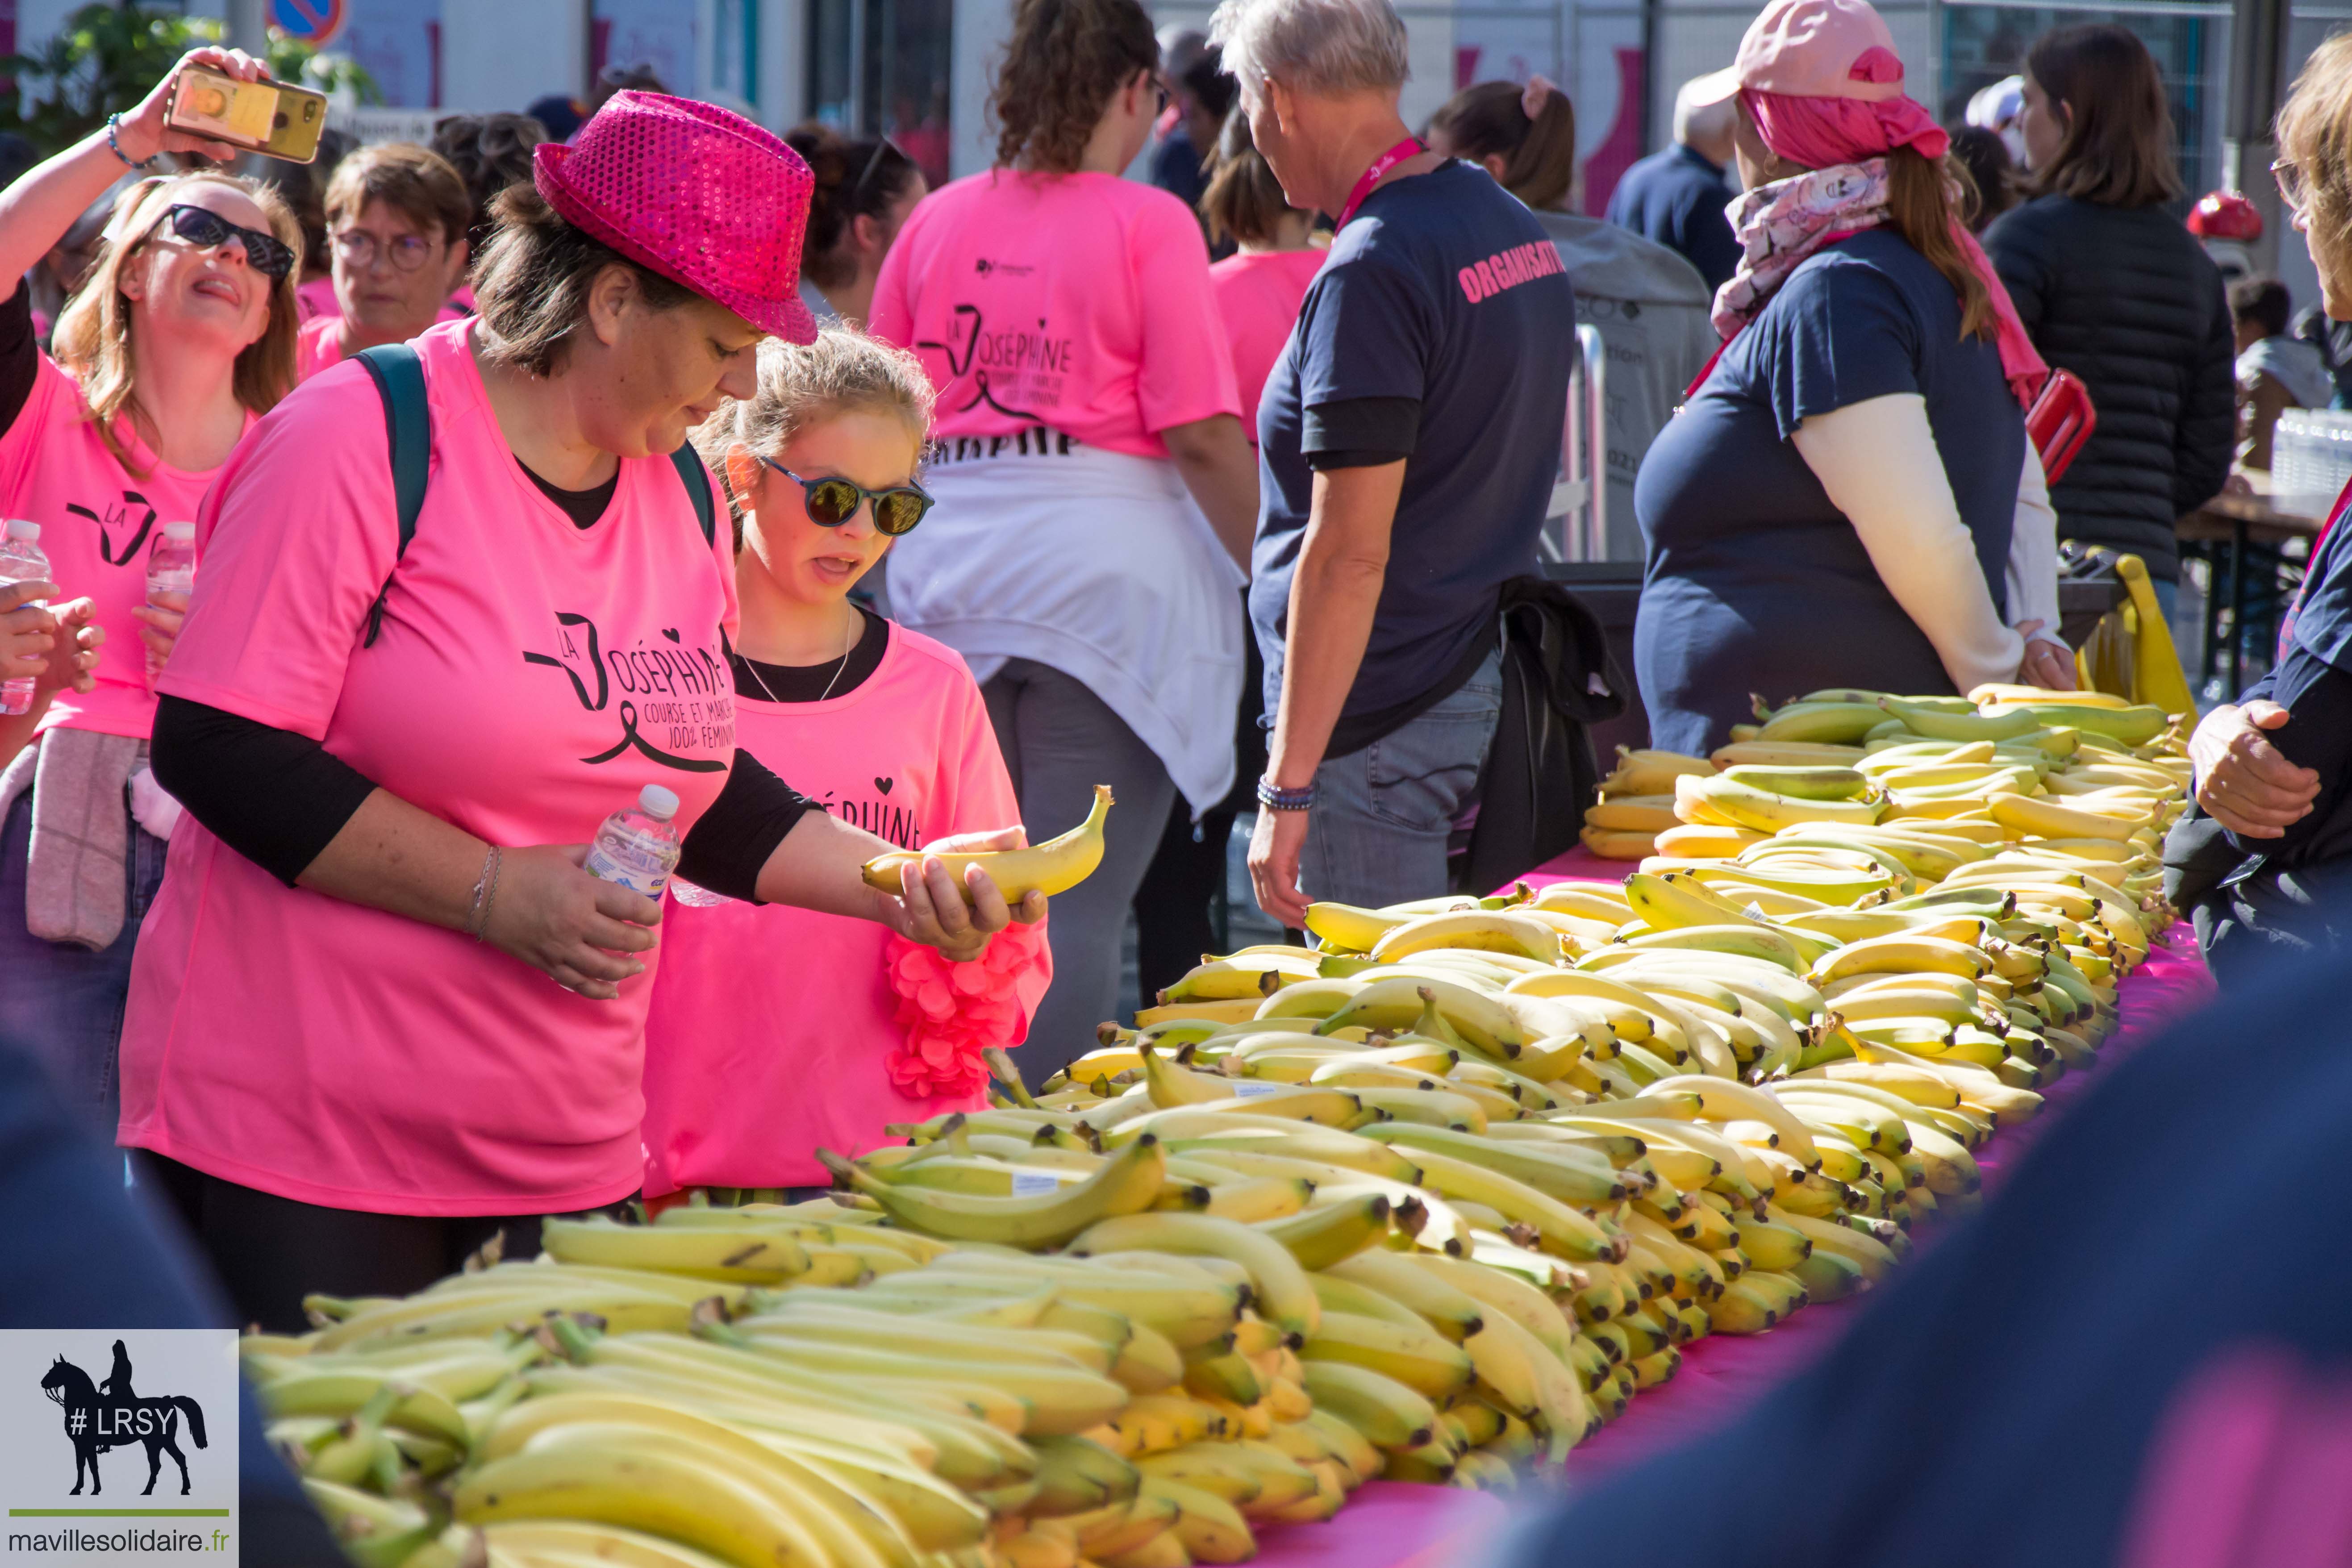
(530, 677)
(1257, 294)
(776, 1031)
(99, 514)
(1078, 302)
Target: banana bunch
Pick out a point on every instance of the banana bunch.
(1637, 803)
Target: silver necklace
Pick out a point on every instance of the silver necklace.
(856, 635)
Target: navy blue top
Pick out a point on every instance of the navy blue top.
(1430, 303)
(1756, 581)
(1676, 197)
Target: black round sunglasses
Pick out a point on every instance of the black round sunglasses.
(834, 501)
(267, 255)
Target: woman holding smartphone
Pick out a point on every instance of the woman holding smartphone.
(381, 1013)
(182, 336)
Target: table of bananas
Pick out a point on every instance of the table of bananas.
(1432, 1202)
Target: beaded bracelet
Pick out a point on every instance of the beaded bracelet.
(1274, 797)
(114, 123)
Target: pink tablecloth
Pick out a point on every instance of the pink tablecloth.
(1392, 1526)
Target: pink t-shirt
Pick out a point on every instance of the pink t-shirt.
(98, 519)
(316, 298)
(1259, 296)
(751, 1064)
(530, 677)
(318, 343)
(1080, 302)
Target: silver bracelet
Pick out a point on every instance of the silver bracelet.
(486, 893)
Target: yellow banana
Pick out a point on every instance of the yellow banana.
(1387, 1413)
(1282, 1293)
(1419, 1358)
(1127, 1182)
(1904, 954)
(1498, 930)
(1338, 1226)
(1053, 866)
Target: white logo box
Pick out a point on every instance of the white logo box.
(75, 1451)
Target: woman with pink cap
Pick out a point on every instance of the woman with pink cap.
(443, 627)
(1849, 498)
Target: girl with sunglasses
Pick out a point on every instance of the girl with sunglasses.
(180, 337)
(775, 1031)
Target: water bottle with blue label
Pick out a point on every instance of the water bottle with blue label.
(638, 846)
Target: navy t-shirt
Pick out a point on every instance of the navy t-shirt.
(1676, 197)
(1444, 300)
(1756, 581)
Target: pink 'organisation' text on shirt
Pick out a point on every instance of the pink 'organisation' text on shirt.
(1078, 302)
(1259, 294)
(530, 677)
(773, 1028)
(98, 516)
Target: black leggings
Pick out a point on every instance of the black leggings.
(270, 1252)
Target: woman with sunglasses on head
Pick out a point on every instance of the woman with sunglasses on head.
(752, 1065)
(865, 190)
(1095, 490)
(182, 335)
(381, 1011)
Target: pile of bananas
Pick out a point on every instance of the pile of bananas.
(825, 1384)
(1933, 758)
(1637, 804)
(1432, 1202)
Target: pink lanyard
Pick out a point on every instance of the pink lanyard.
(1409, 147)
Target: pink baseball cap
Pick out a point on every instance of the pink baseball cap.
(700, 195)
(1810, 49)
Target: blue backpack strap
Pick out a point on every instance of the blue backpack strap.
(697, 480)
(399, 378)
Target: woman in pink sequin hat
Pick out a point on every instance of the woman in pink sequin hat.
(436, 642)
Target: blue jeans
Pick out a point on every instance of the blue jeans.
(1383, 815)
(63, 1004)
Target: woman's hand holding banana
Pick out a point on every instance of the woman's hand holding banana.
(958, 916)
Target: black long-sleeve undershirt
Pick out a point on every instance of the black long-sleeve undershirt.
(278, 798)
(20, 354)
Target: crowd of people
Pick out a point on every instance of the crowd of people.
(559, 460)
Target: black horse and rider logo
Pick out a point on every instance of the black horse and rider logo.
(112, 1416)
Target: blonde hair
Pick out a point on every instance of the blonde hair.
(94, 332)
(844, 372)
(2314, 136)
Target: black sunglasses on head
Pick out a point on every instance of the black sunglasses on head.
(834, 501)
(266, 253)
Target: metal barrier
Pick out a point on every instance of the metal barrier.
(1580, 500)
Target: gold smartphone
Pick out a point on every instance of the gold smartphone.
(265, 116)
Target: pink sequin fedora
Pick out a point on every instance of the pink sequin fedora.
(699, 195)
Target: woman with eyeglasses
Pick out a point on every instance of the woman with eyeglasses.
(752, 1065)
(865, 189)
(397, 216)
(382, 1013)
(1095, 490)
(182, 335)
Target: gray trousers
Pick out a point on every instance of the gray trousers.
(1059, 741)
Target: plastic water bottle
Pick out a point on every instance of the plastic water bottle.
(21, 561)
(171, 569)
(695, 898)
(638, 846)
